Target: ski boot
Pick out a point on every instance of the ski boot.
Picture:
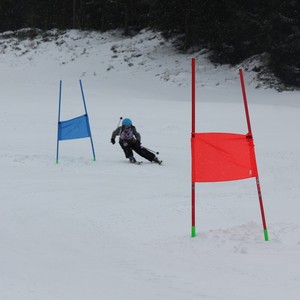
(132, 159)
(156, 160)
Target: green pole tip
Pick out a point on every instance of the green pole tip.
(266, 235)
(57, 161)
(193, 231)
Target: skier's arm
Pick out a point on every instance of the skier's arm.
(114, 134)
(136, 134)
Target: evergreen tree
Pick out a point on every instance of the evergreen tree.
(285, 42)
(11, 16)
(233, 29)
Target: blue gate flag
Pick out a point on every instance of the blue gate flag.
(76, 128)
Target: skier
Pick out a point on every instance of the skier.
(130, 140)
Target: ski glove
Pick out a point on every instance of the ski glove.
(112, 141)
(138, 143)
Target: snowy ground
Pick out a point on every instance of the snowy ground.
(110, 230)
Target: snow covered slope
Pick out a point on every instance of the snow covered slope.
(111, 230)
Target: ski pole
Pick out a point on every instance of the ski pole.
(119, 121)
(155, 152)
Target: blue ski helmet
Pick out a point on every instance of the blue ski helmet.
(126, 122)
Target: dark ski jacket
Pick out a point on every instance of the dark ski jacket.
(127, 134)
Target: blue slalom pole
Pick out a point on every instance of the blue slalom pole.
(83, 99)
(59, 105)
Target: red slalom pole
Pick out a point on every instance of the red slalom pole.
(257, 178)
(193, 233)
(193, 94)
(245, 101)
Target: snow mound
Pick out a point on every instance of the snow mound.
(147, 51)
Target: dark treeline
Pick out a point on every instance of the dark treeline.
(234, 29)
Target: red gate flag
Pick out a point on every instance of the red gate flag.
(222, 157)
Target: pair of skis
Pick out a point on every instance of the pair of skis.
(140, 162)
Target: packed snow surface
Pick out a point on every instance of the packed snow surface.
(107, 229)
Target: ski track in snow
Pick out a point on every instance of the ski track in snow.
(105, 229)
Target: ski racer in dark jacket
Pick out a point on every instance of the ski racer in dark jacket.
(130, 140)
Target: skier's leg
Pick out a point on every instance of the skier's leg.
(143, 152)
(126, 148)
